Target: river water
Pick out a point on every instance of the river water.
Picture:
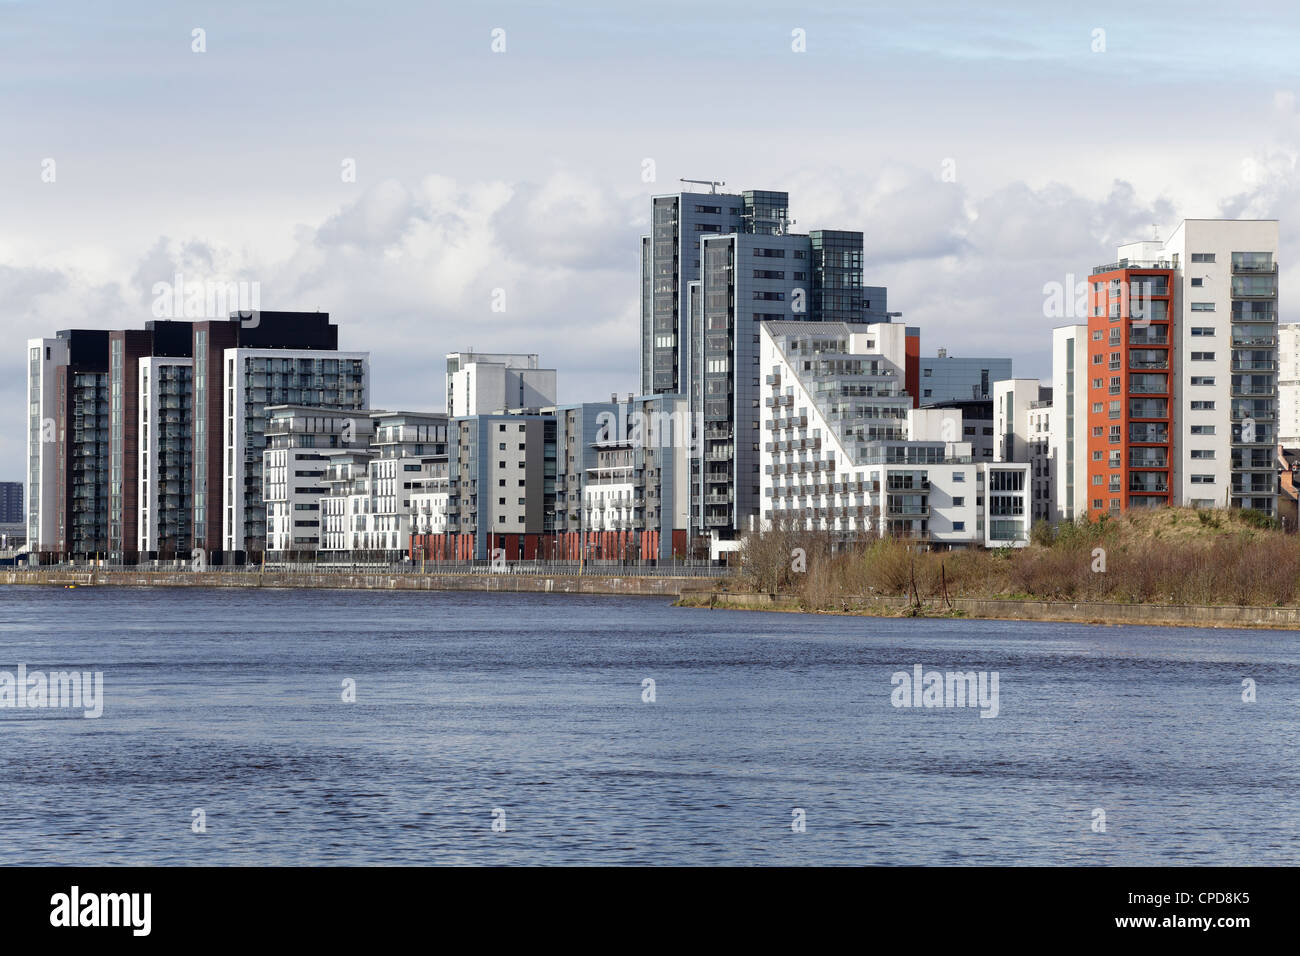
(500, 728)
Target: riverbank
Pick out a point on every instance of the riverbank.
(661, 585)
(1077, 612)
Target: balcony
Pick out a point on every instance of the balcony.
(908, 511)
(1150, 483)
(1240, 267)
(1137, 459)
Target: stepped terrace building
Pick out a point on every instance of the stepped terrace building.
(845, 453)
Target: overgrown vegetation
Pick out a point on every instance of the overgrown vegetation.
(1164, 556)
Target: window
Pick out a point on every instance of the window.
(1096, 336)
(1203, 331)
(1202, 429)
(927, 372)
(958, 502)
(1202, 306)
(1097, 359)
(1203, 453)
(1202, 356)
(1202, 380)
(1202, 256)
(959, 476)
(959, 526)
(1197, 282)
(1202, 479)
(1202, 406)
(1096, 408)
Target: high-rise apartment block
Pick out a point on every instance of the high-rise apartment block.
(146, 444)
(1181, 384)
(715, 267)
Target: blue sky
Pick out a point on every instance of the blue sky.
(522, 170)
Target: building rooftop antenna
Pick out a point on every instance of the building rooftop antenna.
(713, 184)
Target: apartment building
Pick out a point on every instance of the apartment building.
(976, 424)
(715, 266)
(373, 506)
(501, 472)
(253, 380)
(1023, 424)
(301, 442)
(1068, 441)
(845, 453)
(45, 356)
(67, 444)
(158, 488)
(491, 383)
(130, 428)
(11, 502)
(635, 495)
(577, 430)
(1182, 390)
(1288, 384)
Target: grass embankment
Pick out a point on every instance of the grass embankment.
(1162, 556)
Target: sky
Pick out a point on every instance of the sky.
(985, 154)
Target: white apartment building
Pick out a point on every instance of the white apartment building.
(1288, 385)
(845, 452)
(44, 355)
(430, 494)
(483, 383)
(1225, 360)
(1023, 419)
(255, 379)
(373, 498)
(301, 441)
(345, 507)
(1068, 438)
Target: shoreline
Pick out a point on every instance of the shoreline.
(1011, 609)
(686, 590)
